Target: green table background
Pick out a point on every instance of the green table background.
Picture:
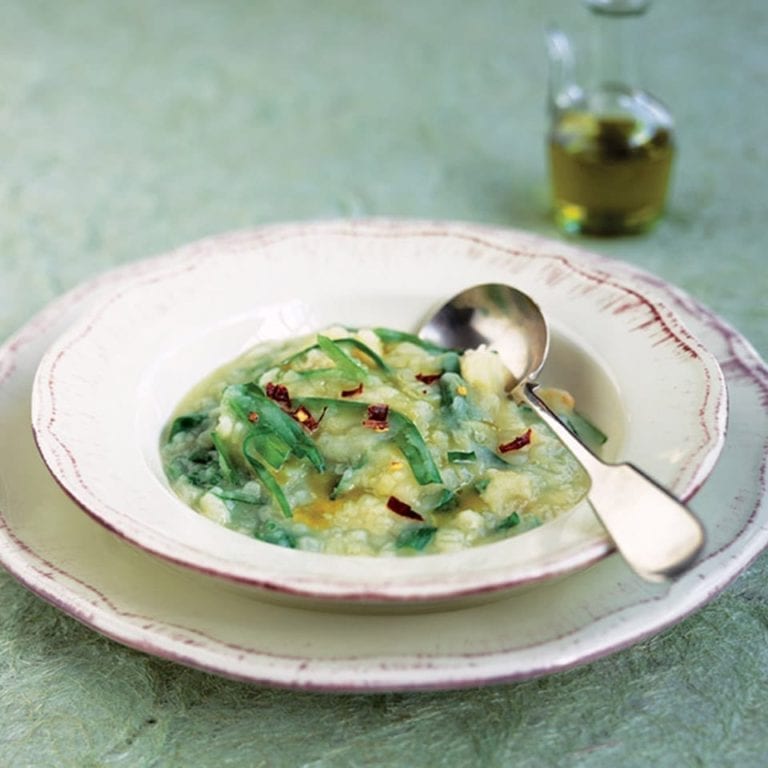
(128, 128)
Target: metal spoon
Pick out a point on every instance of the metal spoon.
(657, 534)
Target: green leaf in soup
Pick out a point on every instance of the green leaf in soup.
(225, 463)
(267, 480)
(273, 449)
(462, 457)
(510, 521)
(186, 423)
(490, 459)
(415, 537)
(249, 399)
(390, 336)
(345, 481)
(450, 362)
(409, 441)
(446, 501)
(239, 495)
(453, 396)
(201, 468)
(341, 359)
(273, 533)
(366, 350)
(346, 365)
(481, 484)
(583, 429)
(347, 341)
(322, 373)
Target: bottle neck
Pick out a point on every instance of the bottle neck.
(614, 64)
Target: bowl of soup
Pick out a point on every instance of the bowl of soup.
(259, 407)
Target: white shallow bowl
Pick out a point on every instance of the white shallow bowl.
(105, 388)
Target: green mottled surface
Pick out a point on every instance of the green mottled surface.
(127, 128)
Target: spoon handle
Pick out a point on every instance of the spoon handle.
(656, 533)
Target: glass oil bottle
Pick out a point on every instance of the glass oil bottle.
(610, 144)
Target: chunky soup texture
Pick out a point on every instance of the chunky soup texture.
(369, 442)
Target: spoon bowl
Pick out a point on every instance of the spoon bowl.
(658, 536)
(498, 316)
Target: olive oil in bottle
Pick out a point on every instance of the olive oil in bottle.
(609, 174)
(610, 143)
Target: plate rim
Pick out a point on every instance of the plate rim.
(744, 364)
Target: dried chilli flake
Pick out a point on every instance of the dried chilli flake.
(519, 442)
(358, 390)
(428, 378)
(253, 417)
(306, 419)
(278, 393)
(401, 508)
(377, 416)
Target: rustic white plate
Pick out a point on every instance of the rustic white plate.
(105, 388)
(61, 554)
